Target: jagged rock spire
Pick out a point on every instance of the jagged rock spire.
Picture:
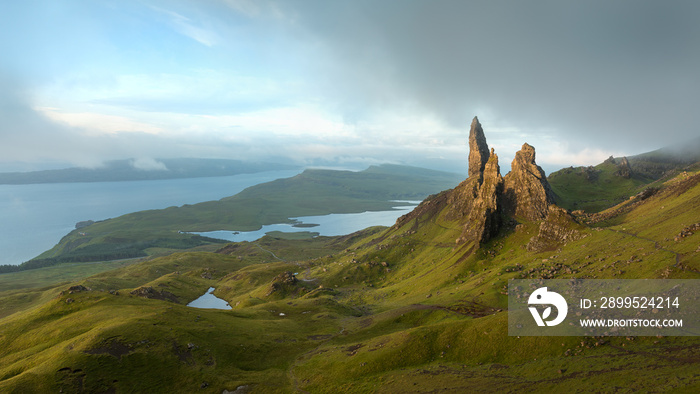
(485, 217)
(484, 201)
(478, 149)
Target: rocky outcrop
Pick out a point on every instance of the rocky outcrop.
(589, 173)
(84, 223)
(527, 193)
(153, 294)
(485, 215)
(75, 289)
(484, 201)
(624, 170)
(283, 284)
(687, 232)
(558, 228)
(478, 149)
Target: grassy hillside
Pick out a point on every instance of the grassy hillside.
(389, 310)
(313, 192)
(594, 189)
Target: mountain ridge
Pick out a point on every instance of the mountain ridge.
(596, 188)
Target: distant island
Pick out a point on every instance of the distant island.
(143, 169)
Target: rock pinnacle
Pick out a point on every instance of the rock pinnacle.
(527, 192)
(478, 149)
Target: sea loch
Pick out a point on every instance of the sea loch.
(33, 218)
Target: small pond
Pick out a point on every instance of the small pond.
(209, 301)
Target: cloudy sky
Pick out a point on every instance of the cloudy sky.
(344, 82)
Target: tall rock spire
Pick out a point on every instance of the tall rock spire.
(486, 201)
(478, 149)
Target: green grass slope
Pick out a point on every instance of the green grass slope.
(402, 309)
(594, 189)
(313, 192)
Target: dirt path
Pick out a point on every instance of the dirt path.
(658, 247)
(307, 271)
(270, 252)
(656, 244)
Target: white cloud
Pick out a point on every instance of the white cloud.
(562, 155)
(186, 27)
(97, 123)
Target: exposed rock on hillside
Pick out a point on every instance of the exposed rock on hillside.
(75, 289)
(624, 170)
(527, 192)
(151, 293)
(558, 228)
(283, 284)
(687, 232)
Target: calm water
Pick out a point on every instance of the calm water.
(210, 301)
(33, 218)
(333, 224)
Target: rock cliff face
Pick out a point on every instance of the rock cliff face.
(487, 199)
(527, 192)
(624, 169)
(478, 149)
(485, 216)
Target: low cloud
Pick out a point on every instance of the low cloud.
(93, 122)
(148, 164)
